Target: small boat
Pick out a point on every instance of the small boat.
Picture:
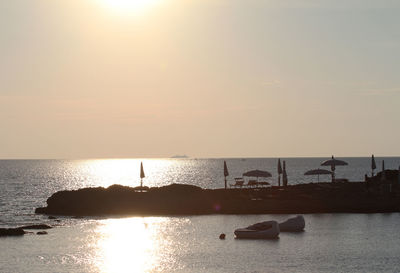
(295, 224)
(263, 230)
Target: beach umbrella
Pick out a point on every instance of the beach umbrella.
(226, 173)
(373, 165)
(317, 172)
(333, 162)
(141, 174)
(279, 171)
(257, 173)
(284, 177)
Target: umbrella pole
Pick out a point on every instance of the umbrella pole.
(279, 180)
(225, 182)
(318, 178)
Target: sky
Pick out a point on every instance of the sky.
(205, 78)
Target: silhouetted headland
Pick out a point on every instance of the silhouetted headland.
(180, 199)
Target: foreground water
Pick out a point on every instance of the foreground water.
(331, 242)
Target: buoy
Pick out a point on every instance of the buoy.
(222, 236)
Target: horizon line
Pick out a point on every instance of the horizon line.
(189, 157)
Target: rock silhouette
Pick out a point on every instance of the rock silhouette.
(180, 199)
(11, 232)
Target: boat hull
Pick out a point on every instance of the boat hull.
(250, 232)
(295, 224)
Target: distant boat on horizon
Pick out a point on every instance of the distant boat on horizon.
(179, 156)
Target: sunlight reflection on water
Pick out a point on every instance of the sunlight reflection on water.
(124, 171)
(330, 243)
(135, 244)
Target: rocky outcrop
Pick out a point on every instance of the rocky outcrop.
(11, 232)
(20, 230)
(178, 199)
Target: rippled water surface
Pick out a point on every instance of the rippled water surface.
(331, 242)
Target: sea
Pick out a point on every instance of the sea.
(330, 242)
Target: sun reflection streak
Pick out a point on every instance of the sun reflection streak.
(129, 245)
(106, 172)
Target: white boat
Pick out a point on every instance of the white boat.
(295, 224)
(263, 230)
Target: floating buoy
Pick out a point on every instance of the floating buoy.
(222, 236)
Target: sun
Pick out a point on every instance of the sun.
(129, 7)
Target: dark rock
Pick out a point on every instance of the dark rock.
(42, 232)
(222, 236)
(11, 232)
(52, 217)
(41, 226)
(178, 199)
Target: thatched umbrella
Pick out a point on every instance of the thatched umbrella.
(257, 173)
(317, 172)
(333, 163)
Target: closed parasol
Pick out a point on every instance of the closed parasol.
(284, 176)
(373, 165)
(280, 171)
(226, 173)
(141, 174)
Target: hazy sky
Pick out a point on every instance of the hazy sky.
(206, 78)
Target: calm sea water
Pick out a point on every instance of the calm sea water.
(331, 242)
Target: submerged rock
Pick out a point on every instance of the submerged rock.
(42, 232)
(41, 226)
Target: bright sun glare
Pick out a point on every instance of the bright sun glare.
(131, 245)
(129, 7)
